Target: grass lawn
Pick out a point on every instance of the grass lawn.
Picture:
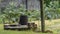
(55, 31)
(2, 31)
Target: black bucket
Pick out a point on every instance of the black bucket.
(23, 20)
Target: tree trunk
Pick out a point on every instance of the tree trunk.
(42, 16)
(59, 3)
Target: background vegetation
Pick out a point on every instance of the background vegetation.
(11, 14)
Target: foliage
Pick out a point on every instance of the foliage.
(12, 13)
(53, 11)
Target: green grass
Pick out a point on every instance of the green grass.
(2, 31)
(48, 23)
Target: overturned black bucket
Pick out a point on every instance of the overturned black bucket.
(23, 20)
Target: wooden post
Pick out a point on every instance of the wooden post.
(26, 5)
(59, 3)
(42, 16)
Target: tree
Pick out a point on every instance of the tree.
(59, 3)
(47, 2)
(42, 16)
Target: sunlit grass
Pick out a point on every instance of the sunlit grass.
(47, 24)
(2, 31)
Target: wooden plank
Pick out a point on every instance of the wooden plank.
(21, 26)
